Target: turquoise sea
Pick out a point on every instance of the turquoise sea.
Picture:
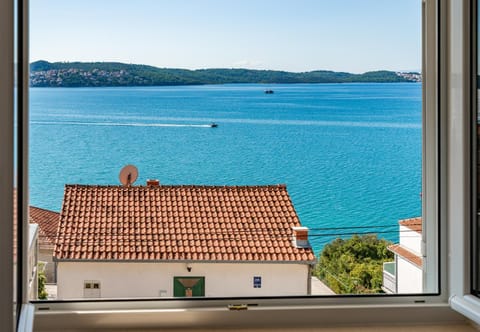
(350, 154)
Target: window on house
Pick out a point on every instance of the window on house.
(91, 289)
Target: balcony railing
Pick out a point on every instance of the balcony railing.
(389, 279)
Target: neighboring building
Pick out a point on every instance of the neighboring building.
(47, 222)
(32, 253)
(405, 274)
(156, 240)
(32, 259)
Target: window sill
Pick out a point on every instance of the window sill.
(467, 305)
(294, 316)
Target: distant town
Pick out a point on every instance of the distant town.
(110, 74)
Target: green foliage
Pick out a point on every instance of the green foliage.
(91, 74)
(355, 265)
(42, 280)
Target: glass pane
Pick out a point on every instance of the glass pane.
(476, 166)
(258, 149)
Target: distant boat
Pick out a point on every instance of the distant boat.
(213, 125)
(268, 91)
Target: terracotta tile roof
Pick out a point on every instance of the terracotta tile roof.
(406, 254)
(47, 222)
(202, 223)
(415, 224)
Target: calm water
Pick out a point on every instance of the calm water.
(350, 154)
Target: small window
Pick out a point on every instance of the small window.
(91, 289)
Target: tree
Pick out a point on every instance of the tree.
(42, 280)
(354, 265)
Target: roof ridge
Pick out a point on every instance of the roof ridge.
(46, 210)
(274, 186)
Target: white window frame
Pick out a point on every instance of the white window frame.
(459, 206)
(446, 103)
(6, 164)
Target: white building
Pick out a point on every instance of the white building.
(47, 222)
(177, 241)
(405, 274)
(32, 267)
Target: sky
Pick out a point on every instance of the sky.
(292, 35)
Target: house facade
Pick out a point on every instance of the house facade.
(180, 241)
(32, 257)
(405, 274)
(47, 222)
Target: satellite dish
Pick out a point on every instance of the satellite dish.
(128, 175)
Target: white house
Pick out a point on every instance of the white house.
(177, 241)
(47, 222)
(405, 274)
(32, 267)
(32, 253)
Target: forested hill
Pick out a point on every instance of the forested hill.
(97, 74)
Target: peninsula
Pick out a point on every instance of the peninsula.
(110, 74)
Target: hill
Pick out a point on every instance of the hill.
(102, 74)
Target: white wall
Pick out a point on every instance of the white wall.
(149, 279)
(32, 272)
(411, 239)
(409, 277)
(46, 255)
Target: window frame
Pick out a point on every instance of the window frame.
(460, 205)
(446, 52)
(7, 93)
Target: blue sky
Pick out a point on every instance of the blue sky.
(293, 35)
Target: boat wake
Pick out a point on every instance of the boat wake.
(119, 124)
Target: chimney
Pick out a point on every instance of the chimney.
(153, 183)
(300, 237)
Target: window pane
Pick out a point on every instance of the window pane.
(276, 153)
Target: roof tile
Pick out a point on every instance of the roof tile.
(406, 254)
(246, 223)
(47, 223)
(415, 224)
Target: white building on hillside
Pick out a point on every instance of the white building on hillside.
(405, 274)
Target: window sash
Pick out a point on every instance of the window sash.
(460, 178)
(7, 93)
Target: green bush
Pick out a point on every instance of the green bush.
(354, 265)
(42, 280)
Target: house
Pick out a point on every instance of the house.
(32, 258)
(47, 222)
(405, 274)
(31, 255)
(177, 241)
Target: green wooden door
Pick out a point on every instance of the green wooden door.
(188, 286)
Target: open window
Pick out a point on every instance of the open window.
(273, 166)
(327, 309)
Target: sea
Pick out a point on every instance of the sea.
(350, 154)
